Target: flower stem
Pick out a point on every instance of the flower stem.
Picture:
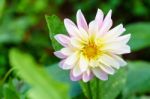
(97, 87)
(89, 90)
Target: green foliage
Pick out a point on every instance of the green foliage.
(138, 81)
(42, 84)
(139, 35)
(10, 92)
(63, 76)
(105, 89)
(55, 26)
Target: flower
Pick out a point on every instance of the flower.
(94, 49)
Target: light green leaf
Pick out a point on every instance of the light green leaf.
(140, 34)
(2, 5)
(138, 78)
(55, 26)
(105, 89)
(42, 85)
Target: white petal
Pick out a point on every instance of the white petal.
(59, 54)
(109, 61)
(72, 59)
(122, 39)
(81, 22)
(71, 28)
(62, 39)
(125, 49)
(87, 76)
(76, 71)
(65, 66)
(77, 43)
(100, 74)
(99, 17)
(115, 32)
(66, 51)
(119, 59)
(93, 27)
(83, 63)
(107, 69)
(73, 78)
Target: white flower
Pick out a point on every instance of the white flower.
(94, 49)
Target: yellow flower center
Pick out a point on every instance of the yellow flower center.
(90, 50)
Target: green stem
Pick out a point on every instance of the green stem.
(89, 90)
(97, 88)
(6, 76)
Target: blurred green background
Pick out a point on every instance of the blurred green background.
(24, 41)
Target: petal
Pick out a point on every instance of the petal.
(93, 27)
(59, 54)
(115, 32)
(100, 74)
(87, 76)
(109, 61)
(62, 39)
(81, 22)
(71, 28)
(72, 59)
(124, 49)
(107, 69)
(77, 43)
(119, 59)
(76, 71)
(122, 39)
(73, 78)
(99, 17)
(83, 63)
(65, 66)
(106, 25)
(66, 51)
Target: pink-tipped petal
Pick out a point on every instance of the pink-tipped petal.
(71, 28)
(106, 25)
(71, 60)
(99, 17)
(76, 71)
(100, 74)
(65, 66)
(62, 39)
(81, 21)
(73, 78)
(59, 54)
(87, 76)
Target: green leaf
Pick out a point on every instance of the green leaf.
(105, 89)
(42, 85)
(2, 5)
(138, 78)
(55, 26)
(139, 35)
(10, 91)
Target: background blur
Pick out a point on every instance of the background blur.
(23, 27)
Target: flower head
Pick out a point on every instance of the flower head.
(94, 49)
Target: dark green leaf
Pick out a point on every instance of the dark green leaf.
(138, 78)
(55, 26)
(139, 35)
